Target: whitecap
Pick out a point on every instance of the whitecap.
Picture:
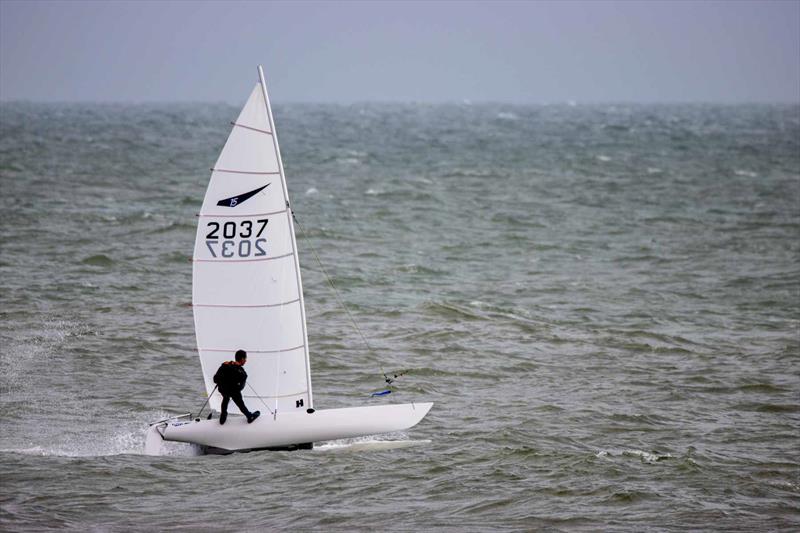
(368, 443)
(745, 173)
(645, 457)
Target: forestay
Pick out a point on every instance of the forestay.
(247, 292)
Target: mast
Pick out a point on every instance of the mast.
(274, 136)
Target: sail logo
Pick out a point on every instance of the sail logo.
(233, 201)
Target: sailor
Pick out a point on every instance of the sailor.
(230, 379)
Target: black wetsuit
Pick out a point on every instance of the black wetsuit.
(230, 379)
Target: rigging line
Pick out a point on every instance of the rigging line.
(260, 398)
(206, 402)
(338, 297)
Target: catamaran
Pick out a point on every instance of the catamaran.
(247, 293)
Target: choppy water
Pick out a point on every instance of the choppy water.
(603, 302)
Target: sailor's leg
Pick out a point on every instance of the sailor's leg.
(223, 410)
(237, 399)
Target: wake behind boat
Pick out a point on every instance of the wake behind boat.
(247, 293)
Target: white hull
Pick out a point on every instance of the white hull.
(292, 429)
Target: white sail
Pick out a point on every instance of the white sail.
(247, 291)
(247, 294)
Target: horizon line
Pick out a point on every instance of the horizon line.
(462, 102)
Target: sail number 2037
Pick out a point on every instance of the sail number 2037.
(250, 242)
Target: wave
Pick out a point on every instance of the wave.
(503, 115)
(768, 407)
(172, 226)
(645, 457)
(413, 268)
(451, 310)
(127, 438)
(369, 443)
(100, 260)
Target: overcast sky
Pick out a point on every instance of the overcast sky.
(520, 52)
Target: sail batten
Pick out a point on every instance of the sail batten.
(246, 289)
(253, 172)
(242, 260)
(250, 350)
(251, 128)
(246, 305)
(239, 216)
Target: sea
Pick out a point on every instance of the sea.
(601, 300)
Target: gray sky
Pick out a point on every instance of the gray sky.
(411, 51)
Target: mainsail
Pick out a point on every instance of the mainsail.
(247, 292)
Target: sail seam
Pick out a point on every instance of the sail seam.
(243, 216)
(229, 171)
(232, 350)
(240, 260)
(256, 305)
(251, 128)
(279, 396)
